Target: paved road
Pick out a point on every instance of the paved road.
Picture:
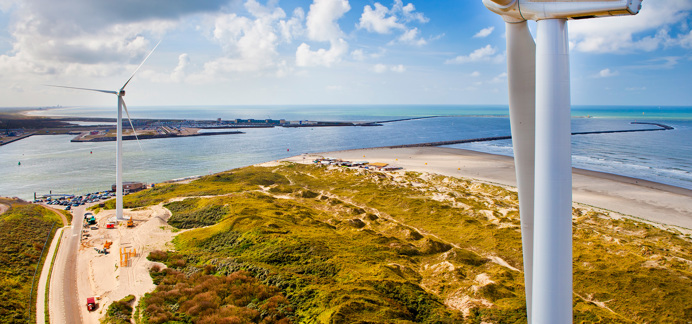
(64, 300)
(41, 290)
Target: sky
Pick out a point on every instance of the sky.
(321, 52)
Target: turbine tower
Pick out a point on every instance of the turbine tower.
(119, 137)
(539, 109)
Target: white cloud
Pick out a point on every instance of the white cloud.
(686, 40)
(501, 78)
(180, 72)
(619, 34)
(399, 68)
(483, 54)
(606, 73)
(322, 19)
(411, 37)
(322, 26)
(383, 20)
(382, 68)
(485, 32)
(376, 20)
(294, 26)
(358, 55)
(475, 74)
(74, 38)
(664, 62)
(321, 57)
(249, 43)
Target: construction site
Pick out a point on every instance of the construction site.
(112, 256)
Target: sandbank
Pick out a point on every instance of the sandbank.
(622, 196)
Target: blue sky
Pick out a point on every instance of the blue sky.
(256, 52)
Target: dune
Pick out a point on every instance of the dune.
(624, 196)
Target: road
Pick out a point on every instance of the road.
(41, 290)
(64, 300)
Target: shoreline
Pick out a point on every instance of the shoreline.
(626, 196)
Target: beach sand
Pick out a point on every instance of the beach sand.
(622, 196)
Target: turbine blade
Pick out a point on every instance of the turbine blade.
(140, 65)
(521, 75)
(133, 127)
(97, 90)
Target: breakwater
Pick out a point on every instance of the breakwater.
(662, 127)
(149, 136)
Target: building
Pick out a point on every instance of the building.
(131, 186)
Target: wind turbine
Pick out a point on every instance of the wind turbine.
(119, 137)
(539, 108)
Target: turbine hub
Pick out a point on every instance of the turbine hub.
(122, 93)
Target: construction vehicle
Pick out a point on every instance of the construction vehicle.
(107, 245)
(110, 225)
(91, 304)
(130, 223)
(99, 251)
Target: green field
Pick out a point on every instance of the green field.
(316, 245)
(23, 232)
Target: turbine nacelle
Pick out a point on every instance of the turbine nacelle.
(520, 10)
(121, 93)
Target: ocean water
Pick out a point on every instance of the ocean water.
(54, 164)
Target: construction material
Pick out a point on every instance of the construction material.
(126, 256)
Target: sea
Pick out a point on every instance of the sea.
(45, 164)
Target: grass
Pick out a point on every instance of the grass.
(23, 232)
(119, 312)
(345, 246)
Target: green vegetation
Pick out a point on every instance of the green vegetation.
(205, 298)
(23, 231)
(195, 212)
(348, 246)
(68, 216)
(119, 312)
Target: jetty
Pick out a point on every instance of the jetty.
(82, 138)
(661, 127)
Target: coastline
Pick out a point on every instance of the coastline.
(624, 196)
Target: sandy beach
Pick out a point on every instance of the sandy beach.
(622, 196)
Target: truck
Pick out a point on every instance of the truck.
(91, 304)
(90, 218)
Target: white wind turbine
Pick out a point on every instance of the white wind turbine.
(539, 107)
(119, 147)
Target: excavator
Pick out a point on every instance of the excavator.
(130, 223)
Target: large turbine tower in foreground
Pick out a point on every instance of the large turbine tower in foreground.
(119, 127)
(539, 108)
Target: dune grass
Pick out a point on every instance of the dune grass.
(24, 229)
(345, 246)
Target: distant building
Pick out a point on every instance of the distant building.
(131, 186)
